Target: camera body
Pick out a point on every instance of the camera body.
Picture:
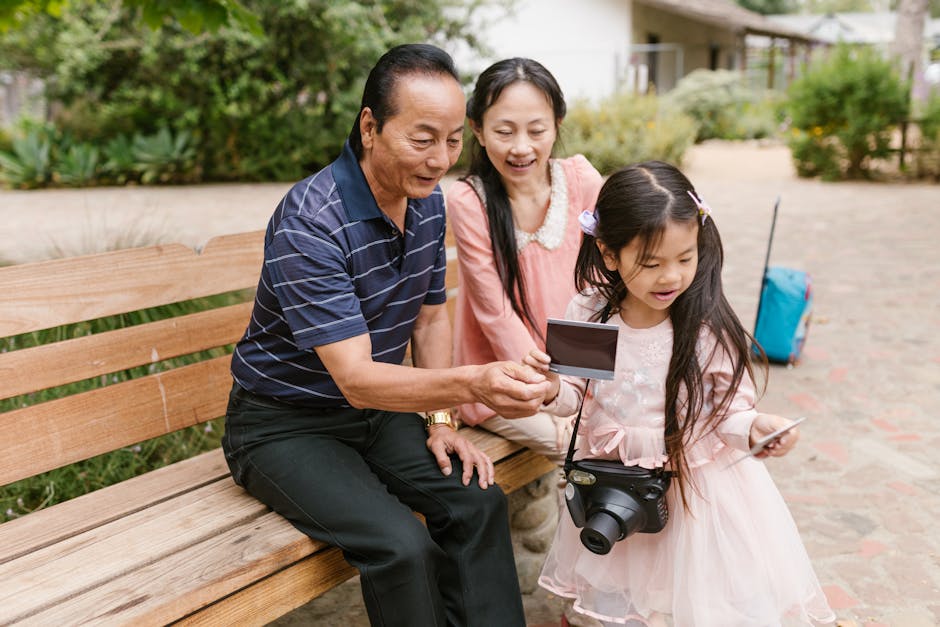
(609, 501)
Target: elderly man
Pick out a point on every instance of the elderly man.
(321, 423)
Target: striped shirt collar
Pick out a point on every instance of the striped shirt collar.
(353, 189)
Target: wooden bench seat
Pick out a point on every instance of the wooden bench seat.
(179, 544)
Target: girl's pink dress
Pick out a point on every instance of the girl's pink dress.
(735, 559)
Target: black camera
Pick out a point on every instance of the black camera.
(608, 501)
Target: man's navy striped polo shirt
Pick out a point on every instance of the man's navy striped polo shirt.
(336, 267)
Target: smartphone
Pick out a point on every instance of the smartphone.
(761, 444)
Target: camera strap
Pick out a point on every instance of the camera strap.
(574, 432)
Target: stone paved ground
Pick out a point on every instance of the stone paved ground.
(864, 482)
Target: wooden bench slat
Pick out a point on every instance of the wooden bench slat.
(190, 579)
(450, 277)
(49, 365)
(51, 293)
(58, 572)
(522, 468)
(77, 427)
(54, 524)
(271, 598)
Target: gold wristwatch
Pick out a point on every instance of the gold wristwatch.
(440, 417)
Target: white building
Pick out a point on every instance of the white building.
(596, 47)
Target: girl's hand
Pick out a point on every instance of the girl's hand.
(764, 425)
(540, 361)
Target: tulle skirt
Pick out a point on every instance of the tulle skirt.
(734, 559)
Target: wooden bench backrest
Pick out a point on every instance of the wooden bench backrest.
(44, 295)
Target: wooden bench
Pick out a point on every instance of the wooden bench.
(182, 543)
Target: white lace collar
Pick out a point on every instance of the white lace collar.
(552, 232)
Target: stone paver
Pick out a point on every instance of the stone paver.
(864, 482)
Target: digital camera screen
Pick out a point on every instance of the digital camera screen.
(582, 349)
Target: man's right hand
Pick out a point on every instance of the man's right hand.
(510, 389)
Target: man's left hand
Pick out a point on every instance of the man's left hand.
(443, 441)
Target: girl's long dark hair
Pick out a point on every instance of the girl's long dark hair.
(639, 201)
(489, 86)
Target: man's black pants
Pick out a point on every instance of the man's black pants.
(351, 477)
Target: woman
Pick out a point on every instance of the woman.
(515, 219)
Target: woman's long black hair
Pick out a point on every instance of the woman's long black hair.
(489, 86)
(639, 201)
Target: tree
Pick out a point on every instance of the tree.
(908, 45)
(933, 7)
(273, 107)
(193, 15)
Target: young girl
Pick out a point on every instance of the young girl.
(515, 220)
(682, 398)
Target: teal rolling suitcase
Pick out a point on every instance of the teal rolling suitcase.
(784, 308)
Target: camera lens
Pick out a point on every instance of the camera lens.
(600, 533)
(613, 514)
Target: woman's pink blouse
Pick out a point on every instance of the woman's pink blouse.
(485, 327)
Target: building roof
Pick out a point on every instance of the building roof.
(727, 14)
(855, 28)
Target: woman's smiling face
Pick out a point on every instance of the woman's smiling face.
(518, 132)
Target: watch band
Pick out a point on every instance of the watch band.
(440, 417)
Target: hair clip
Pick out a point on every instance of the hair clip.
(703, 209)
(588, 222)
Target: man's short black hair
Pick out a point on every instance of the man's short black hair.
(380, 86)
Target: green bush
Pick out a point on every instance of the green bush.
(43, 156)
(27, 163)
(626, 129)
(271, 107)
(928, 151)
(724, 106)
(164, 157)
(6, 140)
(843, 112)
(119, 162)
(815, 155)
(78, 165)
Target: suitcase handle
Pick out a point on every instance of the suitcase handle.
(763, 277)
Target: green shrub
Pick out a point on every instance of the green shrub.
(27, 163)
(625, 129)
(724, 106)
(815, 155)
(119, 162)
(42, 156)
(77, 166)
(164, 157)
(271, 107)
(6, 140)
(847, 105)
(928, 151)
